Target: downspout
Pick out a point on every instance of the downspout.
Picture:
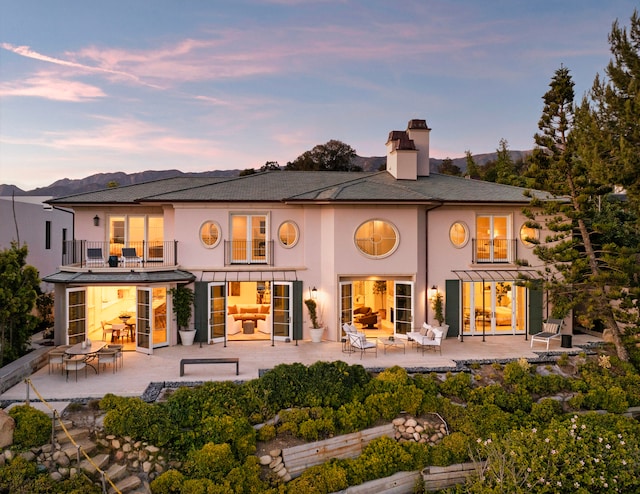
(426, 257)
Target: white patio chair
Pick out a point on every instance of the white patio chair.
(56, 358)
(130, 257)
(95, 258)
(433, 339)
(75, 364)
(108, 356)
(360, 343)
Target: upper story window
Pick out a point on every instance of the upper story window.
(493, 239)
(288, 234)
(376, 238)
(210, 234)
(459, 234)
(529, 236)
(145, 233)
(249, 238)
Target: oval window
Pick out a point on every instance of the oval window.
(210, 234)
(529, 236)
(288, 234)
(376, 238)
(459, 234)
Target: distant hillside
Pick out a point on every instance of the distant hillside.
(65, 186)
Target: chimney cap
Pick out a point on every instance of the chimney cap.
(417, 124)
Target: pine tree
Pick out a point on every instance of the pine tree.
(473, 170)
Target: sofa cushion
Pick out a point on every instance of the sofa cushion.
(250, 310)
(233, 309)
(264, 309)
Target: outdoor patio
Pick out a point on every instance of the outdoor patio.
(140, 370)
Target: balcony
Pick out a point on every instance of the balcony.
(257, 251)
(90, 254)
(494, 251)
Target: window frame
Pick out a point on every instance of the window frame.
(389, 252)
(296, 231)
(219, 236)
(467, 235)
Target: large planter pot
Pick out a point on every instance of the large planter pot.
(187, 336)
(316, 334)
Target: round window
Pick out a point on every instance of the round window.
(529, 236)
(288, 234)
(210, 234)
(459, 234)
(376, 238)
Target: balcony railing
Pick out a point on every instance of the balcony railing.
(248, 252)
(90, 254)
(494, 251)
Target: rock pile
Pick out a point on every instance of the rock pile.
(274, 461)
(429, 431)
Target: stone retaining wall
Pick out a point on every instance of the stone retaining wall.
(18, 370)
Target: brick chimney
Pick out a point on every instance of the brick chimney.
(408, 151)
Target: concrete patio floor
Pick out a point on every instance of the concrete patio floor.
(140, 370)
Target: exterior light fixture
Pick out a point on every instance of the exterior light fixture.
(96, 220)
(314, 293)
(433, 291)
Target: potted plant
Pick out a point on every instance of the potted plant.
(380, 289)
(316, 329)
(436, 305)
(182, 298)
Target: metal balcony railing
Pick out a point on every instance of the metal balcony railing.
(494, 251)
(248, 252)
(91, 254)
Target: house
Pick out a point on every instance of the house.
(43, 228)
(379, 244)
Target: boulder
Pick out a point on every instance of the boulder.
(7, 426)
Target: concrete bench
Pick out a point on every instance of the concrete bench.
(190, 361)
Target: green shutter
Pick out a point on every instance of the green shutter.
(297, 310)
(452, 306)
(535, 310)
(200, 309)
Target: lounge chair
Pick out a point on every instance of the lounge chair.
(432, 339)
(550, 330)
(360, 343)
(95, 258)
(130, 256)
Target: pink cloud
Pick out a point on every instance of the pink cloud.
(50, 87)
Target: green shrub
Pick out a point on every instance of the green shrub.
(212, 461)
(204, 486)
(456, 386)
(382, 405)
(458, 445)
(33, 427)
(352, 417)
(266, 433)
(545, 410)
(169, 482)
(320, 479)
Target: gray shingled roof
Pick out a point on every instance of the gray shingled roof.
(120, 277)
(305, 186)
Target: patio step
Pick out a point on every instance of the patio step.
(116, 472)
(127, 484)
(77, 434)
(99, 460)
(87, 446)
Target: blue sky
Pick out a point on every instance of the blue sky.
(92, 87)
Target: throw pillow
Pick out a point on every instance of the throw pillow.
(233, 309)
(431, 335)
(264, 309)
(424, 329)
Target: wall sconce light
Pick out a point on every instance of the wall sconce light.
(96, 220)
(433, 291)
(314, 293)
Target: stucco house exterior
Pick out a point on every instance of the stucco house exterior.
(254, 247)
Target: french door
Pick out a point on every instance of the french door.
(217, 311)
(404, 307)
(144, 319)
(76, 315)
(282, 306)
(494, 307)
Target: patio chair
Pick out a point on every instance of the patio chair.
(108, 356)
(432, 339)
(360, 343)
(75, 364)
(119, 354)
(130, 256)
(95, 258)
(550, 330)
(105, 330)
(56, 357)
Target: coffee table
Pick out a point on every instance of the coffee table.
(392, 343)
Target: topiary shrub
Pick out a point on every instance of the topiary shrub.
(33, 427)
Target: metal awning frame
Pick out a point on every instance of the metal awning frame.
(497, 275)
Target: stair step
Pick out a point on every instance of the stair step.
(76, 434)
(127, 484)
(116, 472)
(100, 460)
(67, 423)
(86, 444)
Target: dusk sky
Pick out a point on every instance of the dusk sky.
(92, 87)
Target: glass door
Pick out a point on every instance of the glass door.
(143, 320)
(159, 317)
(404, 309)
(217, 311)
(76, 315)
(493, 307)
(346, 303)
(281, 304)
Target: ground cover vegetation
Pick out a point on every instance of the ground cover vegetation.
(526, 427)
